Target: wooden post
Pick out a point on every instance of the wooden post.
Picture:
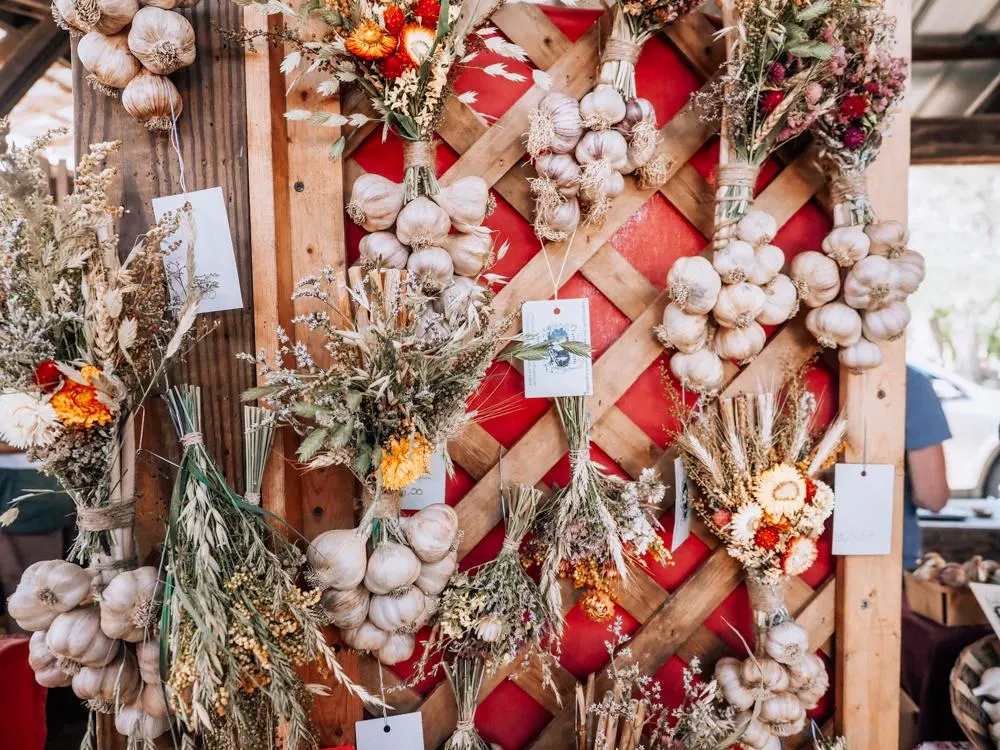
(869, 589)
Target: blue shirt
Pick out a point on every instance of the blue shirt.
(926, 425)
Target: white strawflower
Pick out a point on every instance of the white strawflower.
(745, 522)
(27, 421)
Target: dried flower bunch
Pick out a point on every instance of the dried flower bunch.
(84, 337)
(595, 527)
(130, 51)
(235, 626)
(466, 678)
(582, 150)
(495, 613)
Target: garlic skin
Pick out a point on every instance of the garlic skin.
(835, 324)
(432, 264)
(346, 609)
(864, 355)
(556, 125)
(432, 532)
(102, 16)
(337, 559)
(375, 202)
(391, 613)
(162, 40)
(740, 344)
(764, 672)
(152, 100)
(470, 253)
(739, 305)
(392, 567)
(887, 238)
(435, 576)
(637, 110)
(911, 269)
(887, 324)
(871, 284)
(816, 278)
(783, 714)
(701, 371)
(384, 250)
(563, 170)
(769, 260)
(466, 202)
(694, 285)
(755, 735)
(781, 301)
(683, 331)
(757, 227)
(108, 60)
(787, 643)
(599, 147)
(365, 637)
(604, 187)
(735, 262)
(730, 681)
(397, 648)
(846, 245)
(422, 223)
(602, 107)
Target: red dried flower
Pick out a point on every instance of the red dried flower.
(47, 375)
(394, 20)
(427, 12)
(721, 518)
(810, 490)
(767, 537)
(394, 66)
(853, 138)
(853, 107)
(776, 72)
(771, 101)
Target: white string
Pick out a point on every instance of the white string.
(503, 500)
(381, 690)
(864, 424)
(557, 280)
(176, 143)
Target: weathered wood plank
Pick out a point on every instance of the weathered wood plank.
(35, 52)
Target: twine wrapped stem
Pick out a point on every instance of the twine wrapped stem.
(851, 204)
(767, 601)
(420, 165)
(621, 52)
(733, 199)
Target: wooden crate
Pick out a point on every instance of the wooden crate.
(944, 604)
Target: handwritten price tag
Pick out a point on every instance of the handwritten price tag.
(862, 511)
(429, 488)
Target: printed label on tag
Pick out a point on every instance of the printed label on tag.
(682, 507)
(429, 488)
(560, 373)
(402, 732)
(862, 510)
(213, 246)
(988, 596)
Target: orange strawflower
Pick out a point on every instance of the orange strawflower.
(370, 41)
(598, 605)
(767, 537)
(78, 406)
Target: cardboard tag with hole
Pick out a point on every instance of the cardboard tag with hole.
(862, 509)
(429, 488)
(400, 732)
(559, 372)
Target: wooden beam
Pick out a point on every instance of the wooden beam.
(955, 140)
(942, 49)
(40, 47)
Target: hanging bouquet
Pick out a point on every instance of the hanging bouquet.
(869, 305)
(235, 626)
(465, 676)
(582, 150)
(84, 337)
(594, 527)
(754, 460)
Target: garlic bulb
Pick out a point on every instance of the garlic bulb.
(102, 16)
(739, 305)
(108, 60)
(47, 589)
(422, 223)
(846, 245)
(375, 202)
(701, 371)
(910, 268)
(769, 260)
(76, 639)
(391, 568)
(392, 613)
(604, 186)
(466, 201)
(133, 722)
(887, 324)
(803, 676)
(727, 675)
(887, 238)
(470, 253)
(693, 284)
(103, 688)
(432, 532)
(45, 664)
(337, 559)
(602, 147)
(154, 702)
(130, 605)
(735, 262)
(602, 107)
(757, 227)
(562, 169)
(559, 220)
(755, 734)
(864, 355)
(152, 100)
(346, 609)
(682, 331)
(147, 654)
(783, 714)
(872, 283)
(816, 278)
(162, 40)
(435, 576)
(835, 324)
(816, 685)
(384, 250)
(431, 264)
(366, 637)
(397, 648)
(787, 642)
(740, 344)
(766, 673)
(556, 126)
(637, 110)
(171, 4)
(781, 301)
(460, 299)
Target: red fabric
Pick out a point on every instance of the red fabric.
(22, 700)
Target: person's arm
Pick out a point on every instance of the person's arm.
(928, 477)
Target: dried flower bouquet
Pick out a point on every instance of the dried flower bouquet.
(84, 337)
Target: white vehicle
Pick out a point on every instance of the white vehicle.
(973, 412)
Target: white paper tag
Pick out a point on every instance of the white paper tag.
(862, 511)
(682, 507)
(988, 596)
(401, 732)
(213, 246)
(560, 373)
(429, 488)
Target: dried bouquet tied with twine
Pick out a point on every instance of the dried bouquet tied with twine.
(235, 627)
(466, 677)
(595, 527)
(869, 306)
(84, 337)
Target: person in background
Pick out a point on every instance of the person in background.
(925, 482)
(38, 532)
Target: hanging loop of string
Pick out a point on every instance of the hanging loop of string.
(175, 142)
(381, 691)
(557, 280)
(864, 426)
